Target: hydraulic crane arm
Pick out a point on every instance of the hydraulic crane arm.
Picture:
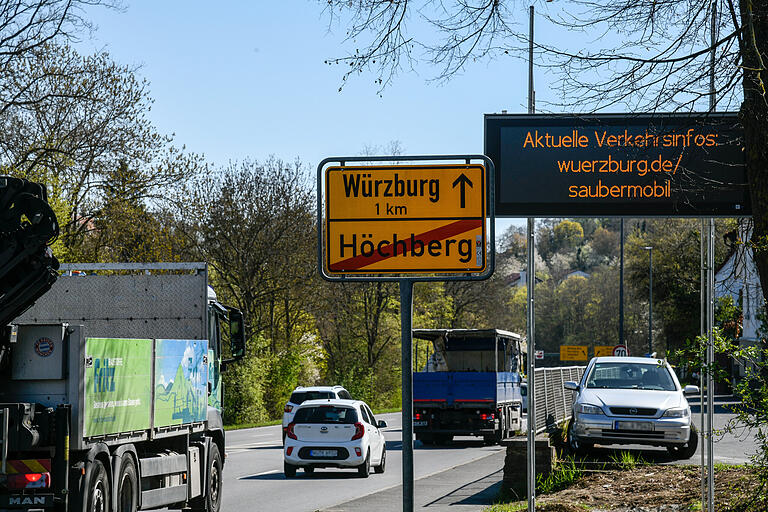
(27, 266)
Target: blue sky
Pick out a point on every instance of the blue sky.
(248, 79)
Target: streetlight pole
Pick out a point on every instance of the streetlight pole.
(650, 299)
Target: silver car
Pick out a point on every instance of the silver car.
(631, 400)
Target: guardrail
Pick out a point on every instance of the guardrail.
(552, 401)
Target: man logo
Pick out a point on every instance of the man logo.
(26, 500)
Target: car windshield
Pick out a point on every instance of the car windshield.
(326, 414)
(631, 376)
(299, 397)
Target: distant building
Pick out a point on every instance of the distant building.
(737, 277)
(577, 273)
(519, 279)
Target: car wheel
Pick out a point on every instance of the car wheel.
(289, 470)
(575, 445)
(364, 469)
(687, 450)
(309, 470)
(383, 464)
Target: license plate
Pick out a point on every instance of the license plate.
(323, 453)
(634, 425)
(419, 423)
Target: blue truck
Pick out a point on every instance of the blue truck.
(470, 385)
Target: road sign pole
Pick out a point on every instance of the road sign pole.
(406, 342)
(531, 281)
(710, 360)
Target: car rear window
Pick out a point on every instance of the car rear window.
(326, 414)
(299, 397)
(631, 376)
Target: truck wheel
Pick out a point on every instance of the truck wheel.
(425, 438)
(97, 489)
(214, 479)
(127, 485)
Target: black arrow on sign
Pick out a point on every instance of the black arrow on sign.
(463, 181)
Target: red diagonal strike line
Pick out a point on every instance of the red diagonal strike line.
(441, 233)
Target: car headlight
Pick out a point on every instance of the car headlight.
(676, 413)
(588, 409)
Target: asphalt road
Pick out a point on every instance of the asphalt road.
(254, 480)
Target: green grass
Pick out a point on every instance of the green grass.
(627, 460)
(278, 422)
(563, 476)
(507, 507)
(252, 425)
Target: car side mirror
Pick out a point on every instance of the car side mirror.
(381, 424)
(691, 390)
(569, 384)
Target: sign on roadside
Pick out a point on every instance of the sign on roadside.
(539, 354)
(620, 351)
(603, 350)
(401, 219)
(618, 164)
(573, 353)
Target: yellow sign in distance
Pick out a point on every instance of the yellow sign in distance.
(405, 219)
(603, 350)
(573, 353)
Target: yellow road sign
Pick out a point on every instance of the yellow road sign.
(603, 350)
(405, 219)
(573, 353)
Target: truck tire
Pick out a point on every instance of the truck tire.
(210, 501)
(97, 489)
(127, 485)
(425, 439)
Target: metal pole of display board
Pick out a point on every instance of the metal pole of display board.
(710, 358)
(710, 302)
(703, 330)
(406, 353)
(531, 283)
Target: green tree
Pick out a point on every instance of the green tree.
(81, 126)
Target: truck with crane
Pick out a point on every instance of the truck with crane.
(110, 374)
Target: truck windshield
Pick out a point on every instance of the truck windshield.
(631, 376)
(325, 414)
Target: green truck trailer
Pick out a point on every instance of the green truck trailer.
(110, 391)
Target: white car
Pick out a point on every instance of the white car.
(632, 400)
(302, 394)
(337, 434)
